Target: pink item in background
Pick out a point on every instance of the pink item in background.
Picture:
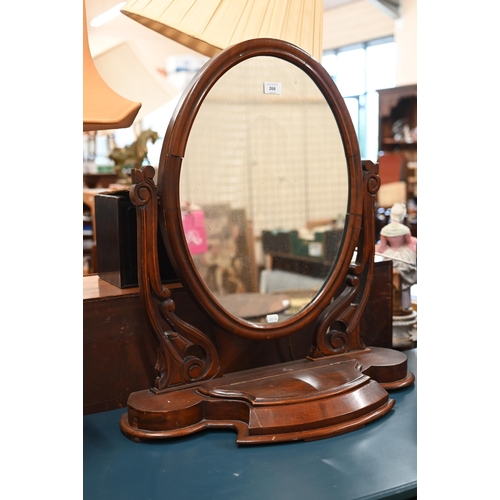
(194, 230)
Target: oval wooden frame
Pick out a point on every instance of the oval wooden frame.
(169, 177)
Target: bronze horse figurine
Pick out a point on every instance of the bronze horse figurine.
(132, 156)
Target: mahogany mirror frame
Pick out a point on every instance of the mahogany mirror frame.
(339, 386)
(173, 152)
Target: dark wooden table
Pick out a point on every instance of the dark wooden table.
(253, 305)
(378, 461)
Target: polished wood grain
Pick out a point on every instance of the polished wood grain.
(301, 400)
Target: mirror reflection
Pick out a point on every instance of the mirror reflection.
(264, 190)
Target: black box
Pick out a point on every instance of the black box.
(116, 241)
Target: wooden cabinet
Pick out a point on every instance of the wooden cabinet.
(398, 131)
(397, 108)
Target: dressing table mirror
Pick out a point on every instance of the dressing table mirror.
(261, 143)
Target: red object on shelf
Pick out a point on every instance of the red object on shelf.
(391, 167)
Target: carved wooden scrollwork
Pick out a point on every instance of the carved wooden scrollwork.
(185, 354)
(337, 329)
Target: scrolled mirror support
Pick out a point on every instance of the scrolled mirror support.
(337, 330)
(179, 344)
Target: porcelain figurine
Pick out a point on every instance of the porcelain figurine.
(397, 243)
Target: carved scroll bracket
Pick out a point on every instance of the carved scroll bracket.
(337, 329)
(185, 354)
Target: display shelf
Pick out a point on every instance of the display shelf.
(398, 130)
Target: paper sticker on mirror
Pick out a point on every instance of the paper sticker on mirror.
(272, 318)
(272, 88)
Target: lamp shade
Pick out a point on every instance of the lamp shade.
(103, 108)
(126, 69)
(209, 26)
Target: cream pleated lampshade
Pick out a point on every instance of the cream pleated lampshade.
(103, 108)
(209, 26)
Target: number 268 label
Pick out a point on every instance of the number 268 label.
(272, 88)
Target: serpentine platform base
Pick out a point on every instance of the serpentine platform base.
(300, 400)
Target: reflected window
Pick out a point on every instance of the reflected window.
(359, 71)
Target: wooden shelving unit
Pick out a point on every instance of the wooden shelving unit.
(398, 105)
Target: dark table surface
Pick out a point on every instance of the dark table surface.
(377, 461)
